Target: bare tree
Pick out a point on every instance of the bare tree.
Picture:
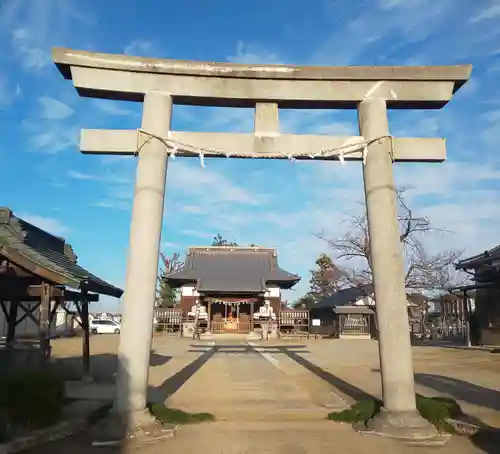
(424, 271)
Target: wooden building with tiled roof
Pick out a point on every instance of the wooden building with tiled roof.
(232, 283)
(485, 269)
(39, 273)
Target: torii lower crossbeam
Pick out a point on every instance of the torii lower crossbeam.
(279, 146)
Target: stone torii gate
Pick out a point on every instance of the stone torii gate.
(160, 83)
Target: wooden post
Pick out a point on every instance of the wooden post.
(209, 310)
(86, 336)
(12, 321)
(44, 319)
(238, 317)
(467, 318)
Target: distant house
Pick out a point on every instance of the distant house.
(106, 316)
(347, 313)
(350, 312)
(485, 268)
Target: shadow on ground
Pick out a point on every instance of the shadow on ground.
(488, 439)
(455, 346)
(461, 390)
(105, 366)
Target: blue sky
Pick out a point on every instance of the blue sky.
(273, 203)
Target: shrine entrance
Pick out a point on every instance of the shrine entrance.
(161, 83)
(231, 315)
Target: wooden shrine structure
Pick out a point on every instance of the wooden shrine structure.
(39, 274)
(231, 284)
(485, 269)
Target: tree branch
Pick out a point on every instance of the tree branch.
(424, 271)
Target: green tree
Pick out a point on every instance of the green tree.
(325, 280)
(306, 301)
(219, 240)
(166, 296)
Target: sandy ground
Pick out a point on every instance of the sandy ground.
(273, 397)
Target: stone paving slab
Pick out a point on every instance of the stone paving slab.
(299, 437)
(259, 396)
(472, 377)
(320, 392)
(238, 383)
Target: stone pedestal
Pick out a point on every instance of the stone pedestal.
(187, 329)
(406, 425)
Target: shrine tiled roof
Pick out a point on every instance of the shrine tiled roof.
(231, 269)
(490, 258)
(47, 256)
(345, 296)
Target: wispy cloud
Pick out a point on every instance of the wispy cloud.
(210, 186)
(253, 54)
(51, 138)
(491, 12)
(106, 177)
(8, 92)
(82, 176)
(197, 233)
(25, 45)
(45, 23)
(53, 109)
(112, 107)
(144, 48)
(169, 245)
(49, 224)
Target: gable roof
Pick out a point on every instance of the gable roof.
(351, 295)
(231, 269)
(490, 258)
(46, 255)
(345, 296)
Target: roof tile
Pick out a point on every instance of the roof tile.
(232, 269)
(50, 252)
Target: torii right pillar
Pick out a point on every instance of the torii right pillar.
(399, 416)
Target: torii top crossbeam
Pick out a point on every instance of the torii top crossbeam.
(266, 88)
(121, 77)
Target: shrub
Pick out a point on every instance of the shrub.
(31, 399)
(361, 411)
(436, 410)
(173, 416)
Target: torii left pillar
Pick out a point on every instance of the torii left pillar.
(142, 266)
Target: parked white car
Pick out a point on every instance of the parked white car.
(104, 327)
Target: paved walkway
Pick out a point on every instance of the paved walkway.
(266, 400)
(239, 384)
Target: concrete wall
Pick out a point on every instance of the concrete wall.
(189, 290)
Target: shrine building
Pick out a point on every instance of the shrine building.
(231, 285)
